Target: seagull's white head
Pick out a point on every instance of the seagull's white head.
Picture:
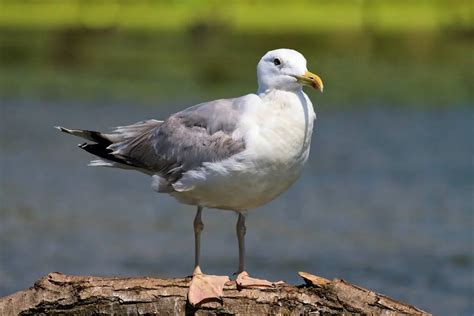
(285, 69)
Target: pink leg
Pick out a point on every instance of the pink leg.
(203, 287)
(243, 279)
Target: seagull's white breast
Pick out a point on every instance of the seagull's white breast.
(277, 132)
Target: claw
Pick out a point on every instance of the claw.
(204, 287)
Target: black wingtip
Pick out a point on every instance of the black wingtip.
(101, 150)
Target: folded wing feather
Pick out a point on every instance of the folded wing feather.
(187, 139)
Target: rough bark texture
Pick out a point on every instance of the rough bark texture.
(57, 293)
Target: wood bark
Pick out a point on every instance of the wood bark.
(62, 294)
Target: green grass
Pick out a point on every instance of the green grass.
(242, 16)
(403, 53)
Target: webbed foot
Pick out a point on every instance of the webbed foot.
(204, 287)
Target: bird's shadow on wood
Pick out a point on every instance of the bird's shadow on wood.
(191, 310)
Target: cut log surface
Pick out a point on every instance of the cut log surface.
(62, 294)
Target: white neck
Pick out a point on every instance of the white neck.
(265, 90)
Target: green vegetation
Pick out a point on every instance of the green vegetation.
(411, 53)
(242, 16)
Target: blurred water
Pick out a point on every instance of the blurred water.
(385, 202)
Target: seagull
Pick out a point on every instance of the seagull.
(229, 154)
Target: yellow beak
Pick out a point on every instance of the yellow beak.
(312, 80)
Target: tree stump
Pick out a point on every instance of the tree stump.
(57, 293)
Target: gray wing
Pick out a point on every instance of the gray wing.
(187, 139)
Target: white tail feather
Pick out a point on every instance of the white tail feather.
(101, 163)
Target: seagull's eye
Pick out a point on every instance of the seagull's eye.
(277, 62)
